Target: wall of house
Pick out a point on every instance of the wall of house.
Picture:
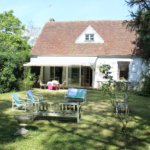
(135, 67)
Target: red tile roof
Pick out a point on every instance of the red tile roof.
(58, 38)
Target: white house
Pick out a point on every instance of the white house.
(72, 51)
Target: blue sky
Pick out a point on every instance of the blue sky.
(40, 11)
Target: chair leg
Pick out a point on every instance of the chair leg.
(25, 108)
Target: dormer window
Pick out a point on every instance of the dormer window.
(89, 37)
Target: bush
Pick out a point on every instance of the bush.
(10, 70)
(28, 79)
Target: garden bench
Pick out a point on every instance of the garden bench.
(75, 95)
(121, 106)
(59, 110)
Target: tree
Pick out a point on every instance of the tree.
(32, 33)
(10, 35)
(14, 51)
(140, 24)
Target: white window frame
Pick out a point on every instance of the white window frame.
(88, 37)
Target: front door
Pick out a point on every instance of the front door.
(86, 76)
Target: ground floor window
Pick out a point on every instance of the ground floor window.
(123, 70)
(73, 75)
(58, 73)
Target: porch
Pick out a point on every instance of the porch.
(75, 71)
(75, 76)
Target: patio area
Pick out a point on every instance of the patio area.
(99, 127)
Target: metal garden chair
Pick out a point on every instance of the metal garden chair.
(19, 102)
(121, 104)
(33, 97)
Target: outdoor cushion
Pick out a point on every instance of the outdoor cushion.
(49, 86)
(18, 101)
(76, 93)
(30, 92)
(81, 93)
(33, 97)
(72, 92)
(16, 98)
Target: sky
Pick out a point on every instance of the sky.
(40, 11)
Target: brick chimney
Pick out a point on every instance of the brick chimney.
(51, 19)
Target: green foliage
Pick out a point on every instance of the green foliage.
(140, 24)
(11, 34)
(146, 85)
(104, 68)
(28, 80)
(141, 93)
(145, 89)
(10, 69)
(106, 87)
(9, 23)
(119, 85)
(14, 51)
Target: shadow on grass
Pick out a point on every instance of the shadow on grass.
(99, 127)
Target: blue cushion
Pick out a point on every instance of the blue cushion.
(30, 95)
(80, 94)
(30, 92)
(16, 98)
(72, 91)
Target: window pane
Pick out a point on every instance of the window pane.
(51, 73)
(73, 76)
(92, 37)
(87, 37)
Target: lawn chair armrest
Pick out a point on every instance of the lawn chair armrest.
(22, 101)
(37, 94)
(21, 97)
(35, 98)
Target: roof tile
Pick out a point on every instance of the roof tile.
(57, 38)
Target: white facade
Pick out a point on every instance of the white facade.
(135, 66)
(134, 73)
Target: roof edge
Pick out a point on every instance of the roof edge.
(99, 56)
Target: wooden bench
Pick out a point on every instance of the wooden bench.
(75, 95)
(121, 104)
(59, 110)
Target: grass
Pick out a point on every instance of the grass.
(99, 127)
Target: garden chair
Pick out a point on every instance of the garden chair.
(20, 102)
(75, 95)
(122, 106)
(62, 85)
(34, 97)
(42, 84)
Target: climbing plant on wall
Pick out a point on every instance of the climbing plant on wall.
(104, 69)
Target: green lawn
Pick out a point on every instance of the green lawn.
(99, 127)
